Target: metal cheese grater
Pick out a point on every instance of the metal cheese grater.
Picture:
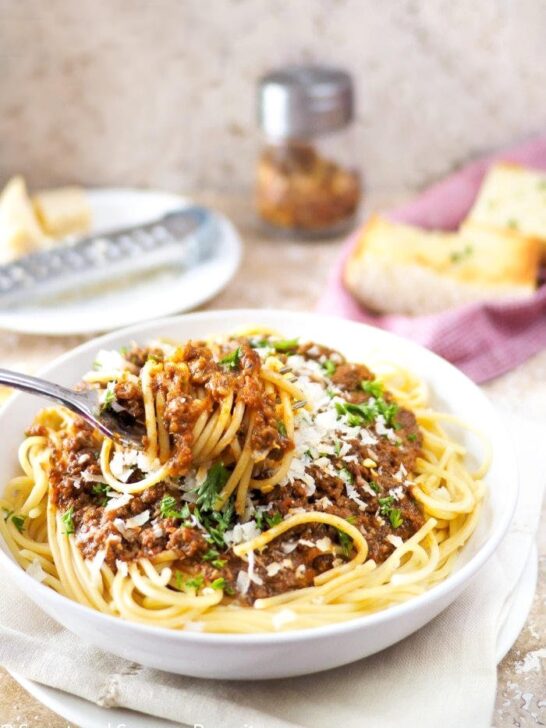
(181, 238)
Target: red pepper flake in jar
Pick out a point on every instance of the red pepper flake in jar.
(306, 182)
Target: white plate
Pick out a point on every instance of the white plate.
(159, 294)
(265, 656)
(89, 715)
(518, 606)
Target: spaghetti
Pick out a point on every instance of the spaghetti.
(279, 487)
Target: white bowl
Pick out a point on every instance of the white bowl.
(305, 651)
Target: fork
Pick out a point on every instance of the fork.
(120, 427)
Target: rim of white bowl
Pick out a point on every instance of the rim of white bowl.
(454, 580)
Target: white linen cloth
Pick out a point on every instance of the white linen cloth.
(444, 675)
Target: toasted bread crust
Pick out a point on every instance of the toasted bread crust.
(390, 261)
(512, 197)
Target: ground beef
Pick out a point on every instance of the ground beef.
(129, 395)
(74, 470)
(349, 376)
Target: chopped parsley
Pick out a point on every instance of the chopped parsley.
(393, 514)
(412, 437)
(264, 519)
(373, 387)
(195, 583)
(221, 583)
(281, 427)
(329, 367)
(337, 447)
(341, 408)
(168, 507)
(385, 504)
(68, 521)
(212, 555)
(232, 360)
(209, 490)
(351, 519)
(178, 580)
(368, 412)
(109, 397)
(374, 486)
(395, 517)
(217, 523)
(18, 522)
(458, 255)
(258, 343)
(7, 514)
(284, 345)
(274, 519)
(346, 543)
(101, 490)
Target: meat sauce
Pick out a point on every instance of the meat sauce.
(364, 487)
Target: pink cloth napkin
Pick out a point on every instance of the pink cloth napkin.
(483, 339)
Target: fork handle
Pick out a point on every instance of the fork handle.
(41, 387)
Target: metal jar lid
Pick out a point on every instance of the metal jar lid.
(304, 101)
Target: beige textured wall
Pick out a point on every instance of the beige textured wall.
(161, 92)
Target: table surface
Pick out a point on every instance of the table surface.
(298, 271)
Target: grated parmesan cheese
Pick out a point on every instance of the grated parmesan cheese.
(288, 546)
(138, 521)
(243, 582)
(157, 530)
(324, 502)
(273, 569)
(241, 533)
(118, 502)
(395, 540)
(352, 493)
(36, 571)
(251, 573)
(88, 477)
(122, 567)
(283, 617)
(122, 465)
(383, 430)
(324, 544)
(111, 361)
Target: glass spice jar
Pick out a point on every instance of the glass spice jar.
(307, 183)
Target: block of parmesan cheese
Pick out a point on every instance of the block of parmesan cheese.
(63, 211)
(513, 197)
(396, 268)
(20, 232)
